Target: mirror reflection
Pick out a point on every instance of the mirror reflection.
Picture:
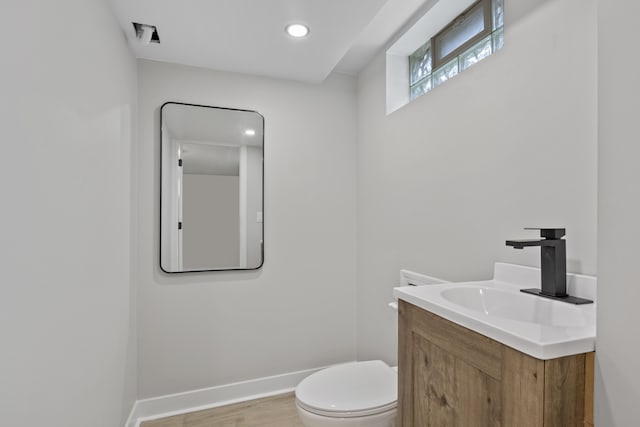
(211, 189)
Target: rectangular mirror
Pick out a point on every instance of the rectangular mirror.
(211, 200)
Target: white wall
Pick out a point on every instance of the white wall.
(511, 142)
(617, 390)
(297, 312)
(210, 221)
(68, 89)
(254, 205)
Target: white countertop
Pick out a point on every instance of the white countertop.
(539, 327)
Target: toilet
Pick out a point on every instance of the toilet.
(357, 394)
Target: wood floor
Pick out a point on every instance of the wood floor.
(275, 411)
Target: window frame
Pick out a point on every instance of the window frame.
(488, 29)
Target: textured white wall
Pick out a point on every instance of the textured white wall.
(68, 94)
(206, 329)
(617, 390)
(511, 142)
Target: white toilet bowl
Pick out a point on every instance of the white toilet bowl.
(358, 394)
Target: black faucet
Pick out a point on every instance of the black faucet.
(553, 263)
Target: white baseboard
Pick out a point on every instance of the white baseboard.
(131, 421)
(196, 400)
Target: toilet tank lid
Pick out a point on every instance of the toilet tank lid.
(350, 387)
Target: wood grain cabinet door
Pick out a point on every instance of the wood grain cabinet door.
(449, 391)
(450, 376)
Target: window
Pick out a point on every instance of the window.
(472, 36)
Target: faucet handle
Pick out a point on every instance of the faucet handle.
(549, 233)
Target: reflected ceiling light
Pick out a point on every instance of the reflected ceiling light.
(249, 132)
(297, 30)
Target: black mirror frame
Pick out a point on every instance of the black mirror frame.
(160, 195)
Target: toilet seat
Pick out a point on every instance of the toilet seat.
(350, 390)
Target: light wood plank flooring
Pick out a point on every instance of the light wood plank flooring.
(274, 411)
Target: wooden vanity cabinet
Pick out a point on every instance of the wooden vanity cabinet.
(451, 376)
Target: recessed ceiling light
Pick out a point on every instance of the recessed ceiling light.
(297, 30)
(249, 132)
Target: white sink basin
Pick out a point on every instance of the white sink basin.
(515, 305)
(537, 326)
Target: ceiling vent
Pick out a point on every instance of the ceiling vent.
(146, 33)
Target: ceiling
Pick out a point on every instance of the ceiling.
(247, 36)
(211, 137)
(203, 159)
(221, 126)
